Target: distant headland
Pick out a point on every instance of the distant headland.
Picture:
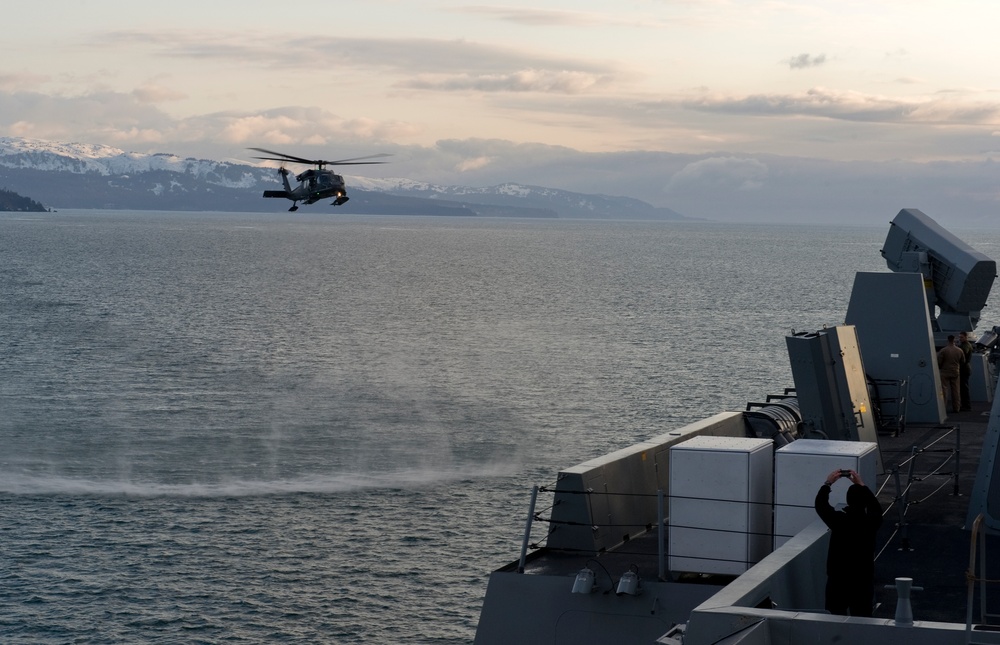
(11, 201)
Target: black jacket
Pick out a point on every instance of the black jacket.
(853, 531)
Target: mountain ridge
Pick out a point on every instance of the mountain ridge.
(77, 175)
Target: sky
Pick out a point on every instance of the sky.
(822, 110)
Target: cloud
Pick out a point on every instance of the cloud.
(802, 61)
(554, 17)
(201, 44)
(124, 119)
(484, 162)
(529, 80)
(22, 81)
(851, 106)
(475, 163)
(135, 136)
(726, 186)
(400, 55)
(96, 116)
(720, 172)
(288, 125)
(151, 93)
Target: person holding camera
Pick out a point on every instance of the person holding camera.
(850, 562)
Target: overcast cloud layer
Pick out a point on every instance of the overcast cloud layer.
(725, 109)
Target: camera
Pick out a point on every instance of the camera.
(845, 473)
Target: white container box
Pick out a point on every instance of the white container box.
(800, 469)
(720, 504)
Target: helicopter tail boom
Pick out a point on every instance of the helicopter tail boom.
(277, 193)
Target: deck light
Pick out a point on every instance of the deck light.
(629, 582)
(584, 582)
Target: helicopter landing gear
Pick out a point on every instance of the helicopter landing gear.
(340, 200)
(294, 208)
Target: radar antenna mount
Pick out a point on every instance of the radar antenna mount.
(957, 278)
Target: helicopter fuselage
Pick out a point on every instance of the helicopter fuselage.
(316, 183)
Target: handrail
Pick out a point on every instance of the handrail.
(527, 530)
(903, 491)
(903, 500)
(978, 536)
(970, 577)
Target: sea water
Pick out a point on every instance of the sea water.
(310, 428)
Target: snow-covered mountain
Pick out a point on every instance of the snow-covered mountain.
(562, 202)
(81, 158)
(76, 175)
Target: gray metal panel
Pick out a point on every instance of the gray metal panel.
(792, 580)
(809, 460)
(889, 312)
(979, 379)
(572, 530)
(531, 609)
(985, 497)
(814, 385)
(830, 383)
(599, 501)
(720, 504)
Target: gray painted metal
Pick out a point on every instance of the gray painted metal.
(889, 313)
(540, 609)
(779, 600)
(783, 596)
(980, 380)
(960, 278)
(721, 496)
(602, 502)
(831, 386)
(807, 460)
(985, 496)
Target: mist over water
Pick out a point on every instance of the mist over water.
(56, 484)
(315, 428)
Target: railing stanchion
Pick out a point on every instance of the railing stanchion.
(527, 530)
(958, 457)
(660, 539)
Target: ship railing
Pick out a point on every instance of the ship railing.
(662, 525)
(915, 473)
(544, 515)
(972, 576)
(914, 470)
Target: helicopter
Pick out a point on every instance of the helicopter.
(316, 183)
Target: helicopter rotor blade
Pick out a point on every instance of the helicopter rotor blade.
(354, 161)
(357, 161)
(280, 156)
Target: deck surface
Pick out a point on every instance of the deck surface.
(929, 544)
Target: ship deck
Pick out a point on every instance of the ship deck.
(929, 543)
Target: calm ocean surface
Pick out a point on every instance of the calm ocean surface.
(225, 428)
